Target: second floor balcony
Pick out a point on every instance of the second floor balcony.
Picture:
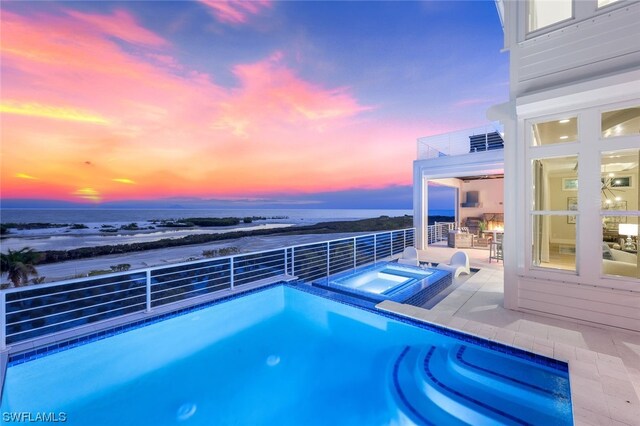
(468, 141)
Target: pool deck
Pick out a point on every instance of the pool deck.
(604, 363)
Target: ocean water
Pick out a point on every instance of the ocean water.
(294, 216)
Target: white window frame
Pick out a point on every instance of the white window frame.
(533, 122)
(548, 28)
(617, 143)
(589, 147)
(541, 152)
(582, 10)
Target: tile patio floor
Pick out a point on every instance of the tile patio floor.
(604, 363)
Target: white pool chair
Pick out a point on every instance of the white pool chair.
(409, 257)
(459, 264)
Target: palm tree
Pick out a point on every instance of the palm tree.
(18, 265)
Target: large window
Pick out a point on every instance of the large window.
(621, 122)
(555, 131)
(554, 218)
(603, 3)
(543, 13)
(619, 212)
(583, 195)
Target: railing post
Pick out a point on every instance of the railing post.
(328, 258)
(231, 277)
(293, 261)
(148, 291)
(354, 253)
(286, 263)
(375, 248)
(404, 238)
(3, 321)
(391, 242)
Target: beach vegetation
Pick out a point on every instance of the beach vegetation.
(130, 227)
(96, 272)
(35, 225)
(223, 251)
(120, 267)
(19, 265)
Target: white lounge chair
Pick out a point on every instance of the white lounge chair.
(459, 264)
(409, 257)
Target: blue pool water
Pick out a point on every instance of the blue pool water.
(283, 356)
(388, 281)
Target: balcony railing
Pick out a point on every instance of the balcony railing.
(28, 313)
(439, 231)
(461, 142)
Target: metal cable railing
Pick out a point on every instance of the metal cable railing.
(31, 312)
(438, 232)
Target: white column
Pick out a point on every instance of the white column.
(420, 194)
(515, 209)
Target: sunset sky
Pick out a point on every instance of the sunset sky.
(291, 102)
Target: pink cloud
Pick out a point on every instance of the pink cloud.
(120, 24)
(462, 103)
(270, 92)
(166, 60)
(235, 11)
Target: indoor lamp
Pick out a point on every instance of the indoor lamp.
(628, 229)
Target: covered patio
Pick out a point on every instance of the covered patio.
(471, 162)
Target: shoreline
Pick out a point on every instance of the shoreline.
(70, 240)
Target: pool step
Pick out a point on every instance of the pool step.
(415, 405)
(523, 383)
(436, 385)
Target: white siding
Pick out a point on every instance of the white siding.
(604, 44)
(583, 302)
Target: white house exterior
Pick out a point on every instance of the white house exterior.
(571, 154)
(573, 117)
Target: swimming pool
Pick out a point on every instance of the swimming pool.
(285, 356)
(389, 281)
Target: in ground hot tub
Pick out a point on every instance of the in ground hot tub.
(389, 281)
